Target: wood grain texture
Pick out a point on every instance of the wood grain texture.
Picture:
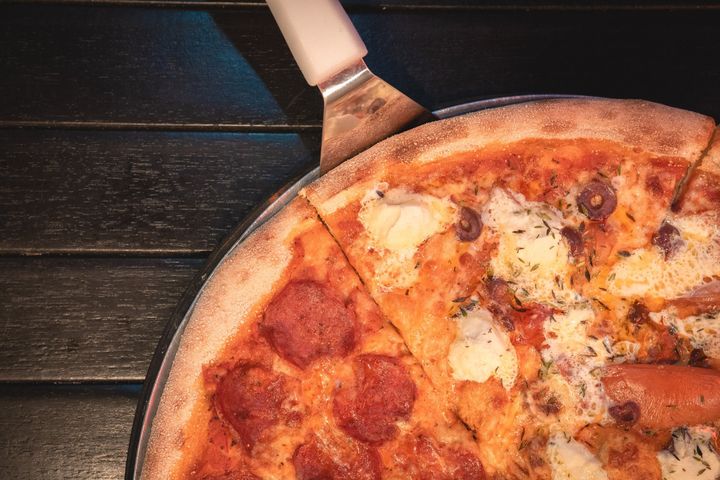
(143, 193)
(230, 67)
(70, 319)
(69, 432)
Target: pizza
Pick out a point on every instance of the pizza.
(528, 292)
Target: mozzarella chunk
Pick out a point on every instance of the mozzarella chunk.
(647, 273)
(571, 460)
(531, 250)
(482, 350)
(692, 455)
(398, 222)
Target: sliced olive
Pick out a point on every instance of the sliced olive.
(638, 313)
(469, 225)
(574, 239)
(625, 414)
(668, 239)
(597, 200)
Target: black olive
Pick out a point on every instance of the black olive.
(597, 200)
(698, 358)
(469, 225)
(667, 238)
(638, 313)
(626, 414)
(574, 240)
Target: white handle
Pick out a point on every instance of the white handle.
(320, 36)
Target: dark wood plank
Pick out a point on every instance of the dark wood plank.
(140, 193)
(231, 66)
(65, 432)
(67, 63)
(69, 319)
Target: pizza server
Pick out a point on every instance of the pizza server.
(360, 108)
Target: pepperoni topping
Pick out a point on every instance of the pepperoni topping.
(307, 320)
(574, 239)
(529, 324)
(597, 200)
(667, 238)
(316, 461)
(523, 322)
(383, 394)
(625, 414)
(240, 475)
(250, 399)
(469, 226)
(422, 458)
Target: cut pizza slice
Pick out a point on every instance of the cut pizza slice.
(484, 239)
(674, 280)
(287, 369)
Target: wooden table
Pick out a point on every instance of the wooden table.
(134, 134)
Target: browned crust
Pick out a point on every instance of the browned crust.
(243, 280)
(653, 128)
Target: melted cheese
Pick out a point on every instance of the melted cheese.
(571, 460)
(482, 350)
(646, 272)
(572, 361)
(703, 331)
(398, 222)
(531, 250)
(692, 455)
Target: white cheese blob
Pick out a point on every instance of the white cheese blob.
(692, 455)
(573, 360)
(703, 331)
(571, 460)
(647, 272)
(531, 250)
(398, 222)
(482, 349)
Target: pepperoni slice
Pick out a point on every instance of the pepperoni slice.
(239, 475)
(250, 398)
(316, 461)
(307, 320)
(383, 394)
(523, 322)
(421, 458)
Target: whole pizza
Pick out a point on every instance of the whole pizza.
(525, 292)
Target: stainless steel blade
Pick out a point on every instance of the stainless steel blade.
(360, 110)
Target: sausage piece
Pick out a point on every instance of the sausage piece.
(668, 396)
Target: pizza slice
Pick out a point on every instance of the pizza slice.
(485, 239)
(287, 369)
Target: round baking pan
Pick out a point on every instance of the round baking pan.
(164, 355)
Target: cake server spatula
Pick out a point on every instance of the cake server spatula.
(360, 108)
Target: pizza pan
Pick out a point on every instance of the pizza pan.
(164, 355)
